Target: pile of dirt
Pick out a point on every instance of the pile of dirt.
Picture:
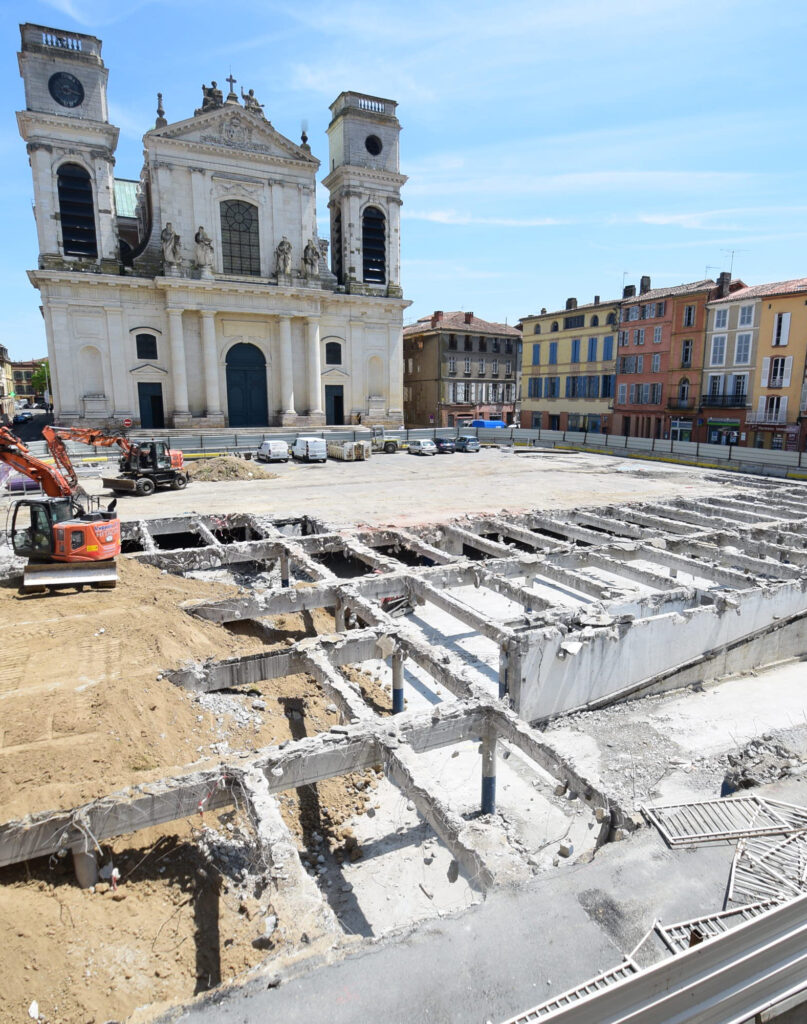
(227, 467)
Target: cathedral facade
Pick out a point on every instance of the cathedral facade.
(200, 295)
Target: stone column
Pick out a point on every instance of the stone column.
(288, 412)
(314, 369)
(179, 378)
(116, 348)
(489, 774)
(63, 364)
(212, 395)
(397, 681)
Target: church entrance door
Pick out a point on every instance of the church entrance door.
(247, 405)
(150, 400)
(334, 404)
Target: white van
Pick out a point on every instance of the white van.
(273, 451)
(310, 449)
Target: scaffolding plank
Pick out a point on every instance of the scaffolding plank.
(710, 821)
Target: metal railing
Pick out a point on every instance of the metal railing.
(725, 401)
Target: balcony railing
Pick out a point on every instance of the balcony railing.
(725, 401)
(681, 403)
(776, 382)
(770, 419)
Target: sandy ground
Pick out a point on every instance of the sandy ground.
(404, 488)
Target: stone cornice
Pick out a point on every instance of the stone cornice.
(356, 176)
(30, 122)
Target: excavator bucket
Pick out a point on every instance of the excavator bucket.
(44, 575)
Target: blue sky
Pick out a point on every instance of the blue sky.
(551, 146)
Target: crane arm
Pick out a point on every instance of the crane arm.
(16, 454)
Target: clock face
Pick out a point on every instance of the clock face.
(66, 89)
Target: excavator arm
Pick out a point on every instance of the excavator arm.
(53, 480)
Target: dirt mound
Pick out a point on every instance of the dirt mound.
(227, 467)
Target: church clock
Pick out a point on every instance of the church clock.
(66, 89)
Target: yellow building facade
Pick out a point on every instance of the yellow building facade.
(568, 367)
(6, 387)
(778, 397)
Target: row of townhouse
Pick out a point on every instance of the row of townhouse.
(699, 361)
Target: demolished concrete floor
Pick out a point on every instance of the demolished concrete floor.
(428, 651)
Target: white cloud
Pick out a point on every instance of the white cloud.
(453, 217)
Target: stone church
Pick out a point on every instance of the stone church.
(200, 294)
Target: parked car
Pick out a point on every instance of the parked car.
(309, 449)
(273, 451)
(467, 443)
(23, 417)
(445, 444)
(425, 447)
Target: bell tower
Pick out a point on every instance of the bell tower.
(364, 182)
(71, 147)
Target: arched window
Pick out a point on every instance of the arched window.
(333, 353)
(595, 321)
(76, 211)
(374, 246)
(612, 318)
(240, 245)
(683, 388)
(554, 326)
(536, 329)
(146, 345)
(336, 247)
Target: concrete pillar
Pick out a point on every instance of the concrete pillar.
(286, 370)
(397, 681)
(85, 866)
(212, 394)
(339, 617)
(284, 568)
(314, 368)
(178, 375)
(489, 774)
(118, 361)
(503, 677)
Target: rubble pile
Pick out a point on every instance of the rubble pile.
(227, 467)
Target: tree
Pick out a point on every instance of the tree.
(41, 377)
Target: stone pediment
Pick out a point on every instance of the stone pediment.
(231, 127)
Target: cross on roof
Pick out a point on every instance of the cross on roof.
(231, 80)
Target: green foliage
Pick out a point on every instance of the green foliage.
(40, 377)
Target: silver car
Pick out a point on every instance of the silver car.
(425, 447)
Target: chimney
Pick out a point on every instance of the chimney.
(571, 303)
(629, 291)
(468, 317)
(723, 284)
(644, 285)
(596, 300)
(543, 309)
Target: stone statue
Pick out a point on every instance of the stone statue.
(211, 98)
(251, 102)
(170, 243)
(204, 249)
(283, 257)
(311, 258)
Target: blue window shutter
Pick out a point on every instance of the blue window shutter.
(538, 383)
(553, 352)
(536, 355)
(568, 387)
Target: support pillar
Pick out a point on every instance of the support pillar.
(314, 369)
(339, 617)
(503, 674)
(489, 774)
(212, 394)
(179, 379)
(288, 412)
(284, 568)
(85, 865)
(397, 681)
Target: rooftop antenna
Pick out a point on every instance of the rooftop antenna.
(707, 268)
(732, 253)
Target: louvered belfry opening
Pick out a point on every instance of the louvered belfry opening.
(374, 246)
(76, 211)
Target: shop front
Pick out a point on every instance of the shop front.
(724, 432)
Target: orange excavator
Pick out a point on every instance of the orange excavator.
(144, 465)
(67, 541)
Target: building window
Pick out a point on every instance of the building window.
(572, 322)
(467, 364)
(333, 353)
(638, 336)
(632, 394)
(718, 353)
(460, 391)
(536, 329)
(607, 385)
(686, 353)
(508, 368)
(655, 366)
(655, 394)
(746, 316)
(622, 394)
(534, 387)
(495, 345)
(640, 364)
(634, 313)
(657, 335)
(554, 326)
(780, 375)
(452, 341)
(592, 350)
(508, 346)
(781, 329)
(608, 347)
(689, 316)
(336, 247)
(146, 345)
(240, 243)
(715, 385)
(495, 366)
(721, 319)
(683, 389)
(611, 318)
(742, 348)
(651, 311)
(773, 409)
(623, 339)
(483, 345)
(76, 211)
(595, 321)
(575, 357)
(536, 355)
(740, 385)
(481, 367)
(553, 352)
(374, 245)
(452, 364)
(469, 345)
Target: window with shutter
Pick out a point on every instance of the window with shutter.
(781, 329)
(766, 370)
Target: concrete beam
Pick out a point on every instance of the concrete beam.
(473, 540)
(463, 612)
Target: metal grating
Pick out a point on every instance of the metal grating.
(710, 821)
(684, 934)
(769, 867)
(574, 995)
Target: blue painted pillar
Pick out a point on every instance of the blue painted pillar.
(489, 774)
(503, 682)
(397, 681)
(284, 568)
